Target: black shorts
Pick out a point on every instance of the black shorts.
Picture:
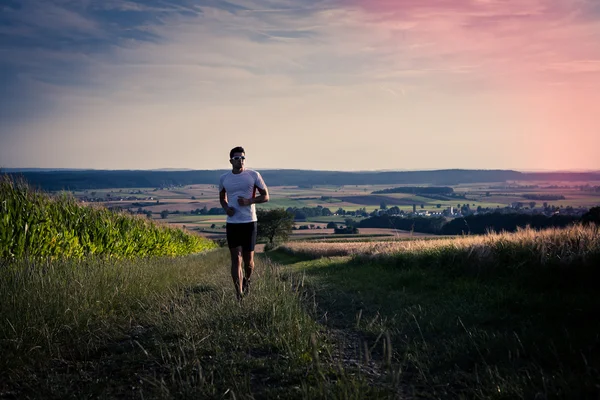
(241, 235)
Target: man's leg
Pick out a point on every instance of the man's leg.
(236, 269)
(248, 263)
(248, 255)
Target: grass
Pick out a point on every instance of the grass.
(506, 319)
(164, 328)
(572, 244)
(504, 316)
(33, 224)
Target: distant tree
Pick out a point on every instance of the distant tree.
(438, 206)
(532, 204)
(213, 226)
(299, 215)
(362, 212)
(164, 214)
(395, 210)
(193, 197)
(274, 225)
(326, 212)
(346, 230)
(383, 206)
(422, 205)
(331, 225)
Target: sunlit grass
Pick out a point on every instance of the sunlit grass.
(502, 316)
(546, 246)
(35, 225)
(162, 328)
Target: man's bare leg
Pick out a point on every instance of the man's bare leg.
(248, 267)
(236, 269)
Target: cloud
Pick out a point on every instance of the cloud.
(128, 71)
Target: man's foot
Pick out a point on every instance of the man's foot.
(246, 286)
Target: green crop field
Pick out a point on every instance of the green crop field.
(36, 225)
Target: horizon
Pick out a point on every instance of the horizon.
(322, 85)
(36, 169)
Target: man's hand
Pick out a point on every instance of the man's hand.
(230, 211)
(244, 202)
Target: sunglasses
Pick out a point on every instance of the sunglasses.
(236, 158)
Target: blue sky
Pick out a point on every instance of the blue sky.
(339, 85)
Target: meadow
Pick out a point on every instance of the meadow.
(500, 316)
(497, 316)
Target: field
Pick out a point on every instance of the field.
(497, 317)
(511, 316)
(99, 304)
(180, 201)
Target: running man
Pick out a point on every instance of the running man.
(237, 193)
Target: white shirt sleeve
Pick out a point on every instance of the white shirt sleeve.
(259, 182)
(221, 187)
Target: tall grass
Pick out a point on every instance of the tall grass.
(500, 316)
(550, 246)
(34, 224)
(161, 328)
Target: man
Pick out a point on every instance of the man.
(237, 193)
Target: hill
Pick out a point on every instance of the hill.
(101, 179)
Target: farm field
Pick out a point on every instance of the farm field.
(179, 202)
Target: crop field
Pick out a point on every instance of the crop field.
(186, 199)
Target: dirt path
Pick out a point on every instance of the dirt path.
(351, 349)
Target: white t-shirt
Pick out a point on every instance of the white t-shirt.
(241, 185)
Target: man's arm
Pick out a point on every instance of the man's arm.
(223, 200)
(263, 198)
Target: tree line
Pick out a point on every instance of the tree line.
(477, 224)
(417, 190)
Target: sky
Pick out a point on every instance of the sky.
(305, 84)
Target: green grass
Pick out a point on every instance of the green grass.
(518, 325)
(164, 328)
(33, 224)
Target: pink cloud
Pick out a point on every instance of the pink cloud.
(514, 41)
